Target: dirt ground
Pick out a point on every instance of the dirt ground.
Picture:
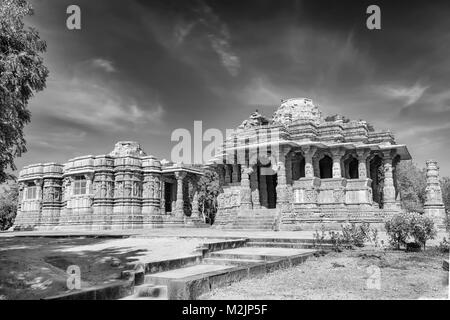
(352, 274)
(34, 268)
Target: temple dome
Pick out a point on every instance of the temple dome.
(296, 109)
(127, 148)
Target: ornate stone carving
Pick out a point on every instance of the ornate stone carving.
(255, 120)
(297, 109)
(127, 148)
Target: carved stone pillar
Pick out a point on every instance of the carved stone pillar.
(362, 160)
(195, 206)
(163, 197)
(337, 156)
(221, 173)
(227, 174)
(246, 192)
(39, 183)
(282, 187)
(179, 204)
(235, 174)
(309, 152)
(434, 206)
(388, 188)
(255, 188)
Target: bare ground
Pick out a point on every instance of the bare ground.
(34, 268)
(345, 275)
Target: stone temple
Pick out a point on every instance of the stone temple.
(295, 171)
(299, 171)
(125, 189)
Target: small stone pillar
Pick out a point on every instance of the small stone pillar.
(179, 204)
(282, 187)
(227, 174)
(434, 206)
(389, 188)
(162, 203)
(362, 160)
(255, 188)
(235, 174)
(337, 156)
(221, 174)
(309, 167)
(246, 192)
(195, 206)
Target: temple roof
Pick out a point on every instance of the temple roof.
(296, 109)
(127, 148)
(298, 122)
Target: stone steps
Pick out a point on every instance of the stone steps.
(148, 292)
(290, 240)
(235, 262)
(256, 253)
(220, 268)
(296, 245)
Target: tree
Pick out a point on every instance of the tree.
(209, 189)
(8, 205)
(22, 73)
(445, 187)
(411, 182)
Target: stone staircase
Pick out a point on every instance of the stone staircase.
(221, 264)
(292, 243)
(257, 219)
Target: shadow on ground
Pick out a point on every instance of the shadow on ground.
(34, 268)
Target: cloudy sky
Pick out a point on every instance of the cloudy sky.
(137, 70)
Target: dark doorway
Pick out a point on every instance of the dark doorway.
(326, 167)
(268, 177)
(168, 196)
(351, 168)
(272, 191)
(298, 166)
(377, 174)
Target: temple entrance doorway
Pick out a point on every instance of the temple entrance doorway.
(267, 182)
(376, 175)
(168, 196)
(326, 167)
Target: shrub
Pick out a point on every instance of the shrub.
(319, 237)
(402, 226)
(8, 205)
(356, 234)
(397, 229)
(421, 228)
(444, 246)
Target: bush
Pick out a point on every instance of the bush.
(397, 229)
(356, 234)
(403, 226)
(444, 246)
(8, 206)
(421, 228)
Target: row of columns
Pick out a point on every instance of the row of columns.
(179, 203)
(249, 197)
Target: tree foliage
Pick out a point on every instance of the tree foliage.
(403, 226)
(445, 186)
(411, 182)
(8, 205)
(22, 73)
(209, 189)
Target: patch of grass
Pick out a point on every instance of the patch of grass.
(345, 275)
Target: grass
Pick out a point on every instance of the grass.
(345, 275)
